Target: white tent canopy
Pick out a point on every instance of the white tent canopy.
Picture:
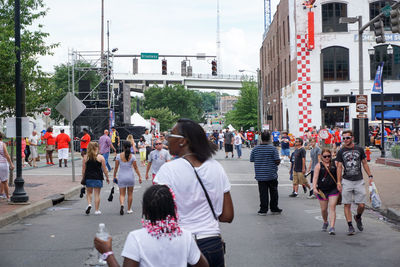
(138, 120)
(231, 128)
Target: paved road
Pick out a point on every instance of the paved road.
(62, 235)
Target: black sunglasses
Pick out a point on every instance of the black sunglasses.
(347, 138)
(158, 143)
(326, 156)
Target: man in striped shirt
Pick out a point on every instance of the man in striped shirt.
(266, 160)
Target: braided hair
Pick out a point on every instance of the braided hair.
(158, 203)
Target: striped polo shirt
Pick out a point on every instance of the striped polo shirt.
(264, 157)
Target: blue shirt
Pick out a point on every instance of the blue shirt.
(275, 136)
(264, 157)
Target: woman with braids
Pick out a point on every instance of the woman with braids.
(161, 241)
(126, 162)
(201, 187)
(93, 167)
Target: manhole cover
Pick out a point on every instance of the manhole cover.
(31, 185)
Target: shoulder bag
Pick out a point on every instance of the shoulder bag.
(339, 202)
(208, 200)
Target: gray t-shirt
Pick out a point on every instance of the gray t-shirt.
(158, 158)
(314, 156)
(228, 137)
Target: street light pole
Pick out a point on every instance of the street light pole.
(361, 79)
(19, 194)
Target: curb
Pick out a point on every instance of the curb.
(43, 204)
(393, 214)
(389, 213)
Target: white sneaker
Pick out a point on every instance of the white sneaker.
(129, 211)
(3, 196)
(97, 212)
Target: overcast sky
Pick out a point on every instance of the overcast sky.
(165, 27)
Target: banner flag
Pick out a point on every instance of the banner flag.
(378, 79)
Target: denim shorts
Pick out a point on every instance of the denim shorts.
(94, 183)
(212, 249)
(285, 152)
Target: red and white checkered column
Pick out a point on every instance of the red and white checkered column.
(303, 83)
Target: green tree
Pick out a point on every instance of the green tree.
(60, 83)
(208, 101)
(36, 82)
(182, 102)
(244, 113)
(164, 116)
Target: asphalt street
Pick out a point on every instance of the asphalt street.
(63, 235)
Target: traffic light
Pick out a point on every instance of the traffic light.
(183, 68)
(395, 20)
(379, 32)
(214, 68)
(189, 71)
(164, 67)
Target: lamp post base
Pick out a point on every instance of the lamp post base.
(19, 195)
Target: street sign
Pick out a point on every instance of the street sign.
(70, 107)
(361, 103)
(149, 56)
(11, 127)
(362, 116)
(47, 112)
(386, 10)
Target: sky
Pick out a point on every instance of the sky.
(164, 27)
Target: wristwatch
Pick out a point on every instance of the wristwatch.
(370, 177)
(104, 256)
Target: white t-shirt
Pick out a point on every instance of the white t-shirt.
(221, 137)
(33, 140)
(238, 140)
(194, 211)
(149, 251)
(142, 149)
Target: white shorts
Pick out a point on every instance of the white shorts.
(4, 171)
(63, 153)
(34, 153)
(353, 190)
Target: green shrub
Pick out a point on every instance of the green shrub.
(395, 151)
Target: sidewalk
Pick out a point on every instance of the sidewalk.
(45, 186)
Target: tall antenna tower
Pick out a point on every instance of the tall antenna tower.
(267, 16)
(219, 61)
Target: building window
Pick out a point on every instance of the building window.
(391, 67)
(336, 63)
(330, 17)
(375, 9)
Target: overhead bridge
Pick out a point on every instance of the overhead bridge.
(140, 82)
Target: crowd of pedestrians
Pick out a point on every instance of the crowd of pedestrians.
(335, 172)
(181, 212)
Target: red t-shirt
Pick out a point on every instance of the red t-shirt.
(62, 140)
(51, 141)
(315, 135)
(85, 141)
(250, 136)
(337, 137)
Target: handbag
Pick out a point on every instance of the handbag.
(208, 200)
(339, 201)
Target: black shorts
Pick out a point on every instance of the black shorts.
(228, 148)
(338, 144)
(115, 145)
(276, 143)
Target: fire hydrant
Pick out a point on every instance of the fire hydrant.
(368, 154)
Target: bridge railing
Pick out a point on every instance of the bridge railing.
(241, 77)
